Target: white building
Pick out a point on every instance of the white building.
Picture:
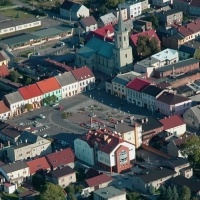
(105, 149)
(134, 91)
(73, 11)
(85, 78)
(162, 3)
(174, 125)
(10, 25)
(109, 193)
(16, 172)
(15, 102)
(84, 151)
(134, 9)
(5, 112)
(158, 60)
(68, 83)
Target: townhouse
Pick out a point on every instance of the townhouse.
(174, 125)
(51, 90)
(38, 165)
(105, 149)
(15, 102)
(134, 8)
(64, 157)
(117, 85)
(85, 78)
(88, 24)
(68, 83)
(5, 112)
(149, 95)
(134, 89)
(28, 146)
(31, 95)
(62, 176)
(172, 104)
(16, 172)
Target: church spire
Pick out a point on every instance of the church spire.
(120, 27)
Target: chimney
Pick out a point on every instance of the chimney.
(105, 137)
(146, 120)
(91, 121)
(142, 121)
(26, 140)
(122, 121)
(115, 126)
(8, 142)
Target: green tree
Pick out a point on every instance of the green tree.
(191, 148)
(154, 46)
(53, 192)
(169, 194)
(5, 2)
(143, 46)
(28, 106)
(37, 183)
(14, 76)
(151, 189)
(185, 193)
(133, 196)
(155, 21)
(197, 54)
(162, 193)
(175, 193)
(28, 81)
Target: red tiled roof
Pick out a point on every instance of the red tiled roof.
(59, 65)
(48, 85)
(103, 32)
(3, 107)
(104, 138)
(38, 165)
(4, 71)
(98, 180)
(150, 34)
(172, 122)
(190, 28)
(62, 157)
(138, 84)
(29, 92)
(82, 73)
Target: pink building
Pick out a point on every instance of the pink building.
(172, 104)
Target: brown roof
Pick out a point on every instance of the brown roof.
(82, 73)
(98, 180)
(88, 21)
(38, 165)
(11, 132)
(3, 107)
(63, 157)
(62, 172)
(171, 99)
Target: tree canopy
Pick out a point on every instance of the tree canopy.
(191, 148)
(53, 192)
(146, 46)
(5, 2)
(14, 76)
(155, 21)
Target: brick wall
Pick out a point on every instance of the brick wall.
(183, 69)
(184, 81)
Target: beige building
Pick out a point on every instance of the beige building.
(152, 178)
(62, 176)
(16, 172)
(109, 193)
(28, 146)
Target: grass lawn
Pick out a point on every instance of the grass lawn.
(10, 196)
(16, 13)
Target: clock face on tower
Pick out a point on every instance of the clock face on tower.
(123, 157)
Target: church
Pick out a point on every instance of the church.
(106, 57)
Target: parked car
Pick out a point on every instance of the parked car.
(42, 116)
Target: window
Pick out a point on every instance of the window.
(125, 55)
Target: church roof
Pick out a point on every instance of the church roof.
(120, 26)
(98, 46)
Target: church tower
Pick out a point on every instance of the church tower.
(122, 51)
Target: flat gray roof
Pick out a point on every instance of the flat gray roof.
(14, 97)
(19, 39)
(108, 192)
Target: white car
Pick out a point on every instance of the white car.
(42, 116)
